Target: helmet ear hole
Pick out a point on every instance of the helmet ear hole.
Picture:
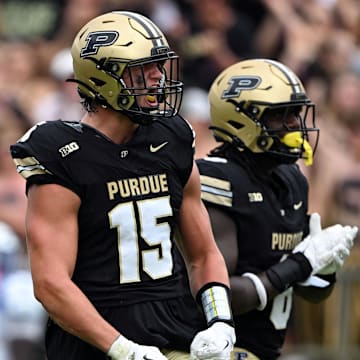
(123, 101)
(262, 142)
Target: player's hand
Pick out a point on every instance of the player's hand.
(124, 349)
(216, 342)
(340, 257)
(325, 247)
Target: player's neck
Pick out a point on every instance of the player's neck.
(116, 126)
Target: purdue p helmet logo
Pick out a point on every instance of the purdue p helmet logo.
(238, 83)
(96, 39)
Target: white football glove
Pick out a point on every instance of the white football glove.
(327, 248)
(216, 342)
(340, 257)
(124, 349)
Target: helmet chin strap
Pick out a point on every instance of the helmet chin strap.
(295, 140)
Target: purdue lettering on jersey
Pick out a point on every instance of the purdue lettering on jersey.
(144, 185)
(285, 241)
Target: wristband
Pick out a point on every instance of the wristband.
(260, 289)
(215, 301)
(294, 269)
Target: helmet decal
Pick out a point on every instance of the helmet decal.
(254, 103)
(290, 75)
(96, 39)
(153, 31)
(238, 83)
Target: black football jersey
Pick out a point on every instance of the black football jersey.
(130, 198)
(270, 213)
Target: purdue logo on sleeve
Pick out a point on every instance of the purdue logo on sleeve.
(97, 39)
(238, 83)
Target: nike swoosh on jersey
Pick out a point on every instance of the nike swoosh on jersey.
(157, 148)
(298, 205)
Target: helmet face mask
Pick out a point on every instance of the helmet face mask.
(112, 55)
(160, 98)
(255, 103)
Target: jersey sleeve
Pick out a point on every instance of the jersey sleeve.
(216, 188)
(38, 156)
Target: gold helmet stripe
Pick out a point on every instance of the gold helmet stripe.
(153, 31)
(293, 80)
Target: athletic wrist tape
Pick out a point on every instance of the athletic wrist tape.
(214, 299)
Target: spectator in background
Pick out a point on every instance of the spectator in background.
(219, 37)
(347, 15)
(40, 98)
(337, 54)
(335, 192)
(293, 32)
(338, 153)
(12, 189)
(19, 63)
(51, 97)
(61, 69)
(30, 19)
(76, 13)
(22, 317)
(195, 109)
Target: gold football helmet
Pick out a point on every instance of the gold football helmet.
(247, 94)
(115, 45)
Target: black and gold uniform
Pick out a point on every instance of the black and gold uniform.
(257, 198)
(269, 209)
(130, 198)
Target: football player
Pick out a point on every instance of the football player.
(257, 199)
(107, 198)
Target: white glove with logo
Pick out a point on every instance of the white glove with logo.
(326, 249)
(124, 349)
(216, 342)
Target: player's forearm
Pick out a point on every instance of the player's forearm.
(213, 269)
(71, 310)
(245, 296)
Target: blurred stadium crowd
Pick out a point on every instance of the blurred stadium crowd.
(318, 39)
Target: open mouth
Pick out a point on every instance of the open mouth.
(152, 97)
(151, 100)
